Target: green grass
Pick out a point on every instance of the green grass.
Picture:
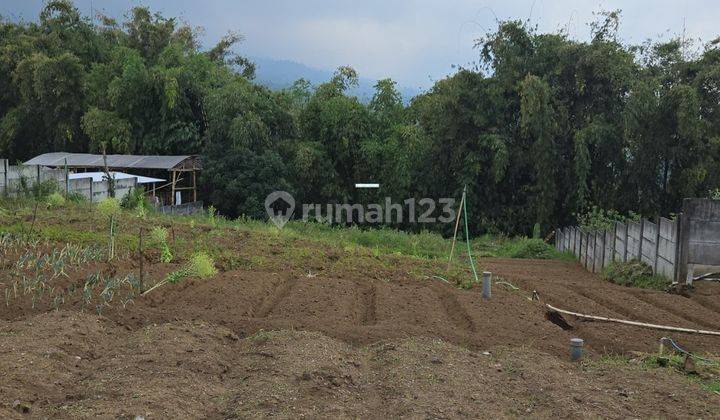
(634, 273)
(378, 241)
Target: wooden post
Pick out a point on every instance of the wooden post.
(172, 189)
(194, 186)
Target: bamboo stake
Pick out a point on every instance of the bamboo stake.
(635, 323)
(457, 224)
(140, 252)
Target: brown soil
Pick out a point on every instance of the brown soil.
(370, 342)
(68, 364)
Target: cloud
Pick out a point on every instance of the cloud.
(412, 41)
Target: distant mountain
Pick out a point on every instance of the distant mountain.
(279, 74)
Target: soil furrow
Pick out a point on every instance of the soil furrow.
(282, 291)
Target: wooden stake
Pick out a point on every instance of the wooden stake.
(32, 226)
(635, 323)
(457, 224)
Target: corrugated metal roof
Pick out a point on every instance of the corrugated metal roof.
(84, 160)
(100, 176)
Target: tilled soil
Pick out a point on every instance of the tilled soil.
(355, 344)
(68, 364)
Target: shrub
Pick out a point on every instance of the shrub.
(55, 200)
(599, 219)
(109, 207)
(634, 273)
(528, 248)
(134, 199)
(202, 265)
(75, 197)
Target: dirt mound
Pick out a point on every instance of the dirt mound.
(567, 285)
(65, 364)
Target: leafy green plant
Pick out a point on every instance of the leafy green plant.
(55, 200)
(212, 215)
(200, 265)
(528, 248)
(75, 197)
(110, 208)
(135, 199)
(159, 238)
(634, 273)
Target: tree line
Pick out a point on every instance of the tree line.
(543, 129)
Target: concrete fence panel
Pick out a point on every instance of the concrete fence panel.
(649, 241)
(620, 241)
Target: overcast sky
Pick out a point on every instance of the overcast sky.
(413, 41)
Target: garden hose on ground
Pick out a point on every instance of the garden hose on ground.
(685, 352)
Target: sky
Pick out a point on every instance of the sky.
(415, 42)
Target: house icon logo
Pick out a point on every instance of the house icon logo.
(280, 206)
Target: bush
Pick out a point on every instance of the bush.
(528, 248)
(599, 219)
(134, 199)
(634, 273)
(109, 207)
(75, 197)
(202, 265)
(55, 200)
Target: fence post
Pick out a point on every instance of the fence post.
(657, 245)
(683, 241)
(573, 238)
(602, 247)
(614, 246)
(642, 236)
(5, 176)
(557, 239)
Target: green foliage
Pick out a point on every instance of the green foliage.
(599, 219)
(546, 128)
(55, 200)
(75, 197)
(42, 190)
(109, 207)
(529, 248)
(201, 265)
(159, 238)
(634, 273)
(135, 199)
